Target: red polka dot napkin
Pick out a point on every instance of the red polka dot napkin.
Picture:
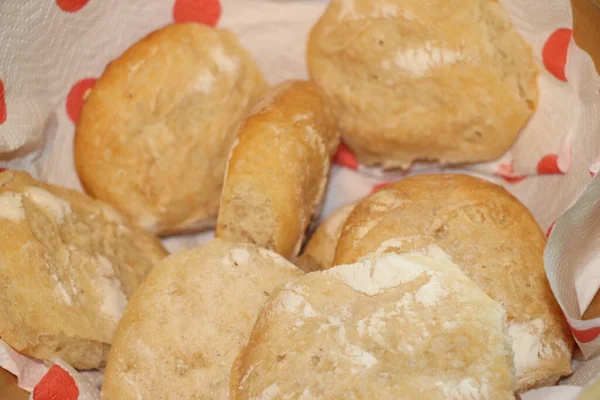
(52, 52)
(63, 382)
(55, 381)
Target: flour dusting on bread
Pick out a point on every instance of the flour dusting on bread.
(527, 346)
(418, 61)
(371, 277)
(11, 207)
(377, 347)
(57, 206)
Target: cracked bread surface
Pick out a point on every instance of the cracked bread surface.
(445, 80)
(68, 265)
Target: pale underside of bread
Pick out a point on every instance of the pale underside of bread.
(250, 218)
(278, 169)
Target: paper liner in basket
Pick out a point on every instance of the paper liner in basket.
(53, 51)
(572, 261)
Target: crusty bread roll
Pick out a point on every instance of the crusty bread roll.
(492, 237)
(447, 81)
(188, 321)
(68, 264)
(155, 132)
(388, 327)
(278, 169)
(319, 252)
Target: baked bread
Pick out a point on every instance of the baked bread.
(492, 237)
(388, 327)
(278, 169)
(68, 264)
(188, 321)
(319, 252)
(154, 134)
(437, 80)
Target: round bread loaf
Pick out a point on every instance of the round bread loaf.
(154, 133)
(68, 264)
(188, 321)
(492, 237)
(441, 80)
(388, 327)
(319, 252)
(278, 169)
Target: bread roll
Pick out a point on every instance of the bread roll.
(278, 169)
(437, 80)
(155, 132)
(388, 327)
(188, 321)
(319, 252)
(492, 237)
(68, 264)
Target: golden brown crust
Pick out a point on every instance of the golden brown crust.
(491, 236)
(423, 80)
(154, 133)
(278, 169)
(68, 264)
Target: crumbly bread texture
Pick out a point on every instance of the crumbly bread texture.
(319, 252)
(188, 321)
(492, 237)
(439, 80)
(68, 264)
(388, 327)
(155, 132)
(278, 169)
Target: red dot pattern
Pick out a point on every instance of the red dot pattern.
(587, 335)
(76, 98)
(207, 12)
(548, 165)
(345, 157)
(2, 169)
(507, 172)
(2, 103)
(549, 231)
(71, 6)
(378, 187)
(513, 179)
(554, 52)
(594, 168)
(57, 384)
